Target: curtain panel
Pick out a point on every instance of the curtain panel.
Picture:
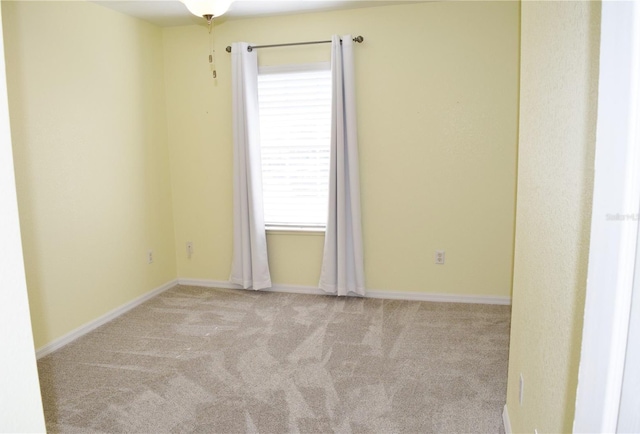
(250, 267)
(342, 263)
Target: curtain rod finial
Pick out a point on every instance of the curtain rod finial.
(358, 39)
(228, 48)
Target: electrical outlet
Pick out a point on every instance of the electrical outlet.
(521, 389)
(150, 257)
(440, 257)
(189, 249)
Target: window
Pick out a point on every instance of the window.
(295, 129)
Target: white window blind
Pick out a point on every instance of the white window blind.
(295, 130)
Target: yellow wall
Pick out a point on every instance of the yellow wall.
(437, 95)
(88, 121)
(95, 142)
(560, 46)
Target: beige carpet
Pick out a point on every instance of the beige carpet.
(225, 361)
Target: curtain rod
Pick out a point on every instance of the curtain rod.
(251, 47)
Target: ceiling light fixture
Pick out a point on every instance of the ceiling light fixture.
(209, 9)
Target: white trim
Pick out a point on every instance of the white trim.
(295, 230)
(389, 295)
(92, 325)
(628, 415)
(614, 225)
(224, 284)
(506, 421)
(440, 298)
(20, 397)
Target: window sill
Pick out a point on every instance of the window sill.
(292, 230)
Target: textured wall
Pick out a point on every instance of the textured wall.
(558, 98)
(87, 111)
(437, 101)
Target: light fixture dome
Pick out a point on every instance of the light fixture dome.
(207, 8)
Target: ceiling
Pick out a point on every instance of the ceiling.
(168, 13)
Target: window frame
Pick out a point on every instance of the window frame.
(295, 228)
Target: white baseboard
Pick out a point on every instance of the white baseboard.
(225, 284)
(506, 421)
(442, 298)
(294, 289)
(92, 325)
(389, 295)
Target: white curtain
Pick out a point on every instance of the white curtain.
(342, 262)
(250, 267)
